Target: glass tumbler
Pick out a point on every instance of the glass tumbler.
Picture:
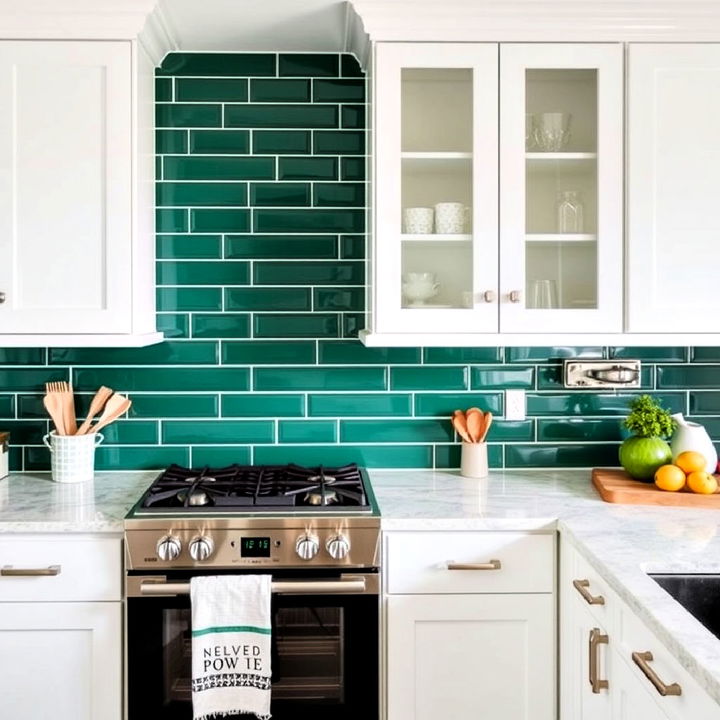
(569, 212)
(543, 294)
(552, 131)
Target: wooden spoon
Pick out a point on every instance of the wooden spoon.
(114, 408)
(488, 423)
(96, 405)
(53, 404)
(460, 425)
(474, 419)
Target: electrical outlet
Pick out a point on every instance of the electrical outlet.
(515, 405)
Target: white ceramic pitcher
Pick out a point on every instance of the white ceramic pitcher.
(693, 436)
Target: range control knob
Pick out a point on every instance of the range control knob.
(168, 548)
(201, 548)
(307, 547)
(338, 546)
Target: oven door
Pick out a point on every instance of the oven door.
(324, 646)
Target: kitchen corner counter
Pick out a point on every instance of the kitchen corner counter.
(622, 542)
(33, 503)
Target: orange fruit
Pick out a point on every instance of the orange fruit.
(691, 461)
(670, 477)
(702, 482)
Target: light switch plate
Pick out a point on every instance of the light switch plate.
(515, 405)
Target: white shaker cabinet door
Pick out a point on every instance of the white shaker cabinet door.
(673, 182)
(65, 187)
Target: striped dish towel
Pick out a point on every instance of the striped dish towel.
(230, 645)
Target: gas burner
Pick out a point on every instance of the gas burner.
(327, 479)
(328, 497)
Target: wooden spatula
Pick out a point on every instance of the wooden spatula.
(53, 404)
(474, 419)
(488, 423)
(96, 405)
(114, 408)
(460, 425)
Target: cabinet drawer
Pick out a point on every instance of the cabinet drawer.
(87, 568)
(592, 591)
(419, 562)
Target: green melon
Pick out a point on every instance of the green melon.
(641, 457)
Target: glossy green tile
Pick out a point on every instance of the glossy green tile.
(688, 377)
(158, 168)
(189, 247)
(561, 455)
(342, 90)
(225, 325)
(263, 405)
(352, 168)
(280, 194)
(349, 66)
(448, 456)
(201, 272)
(228, 64)
(339, 194)
(219, 220)
(295, 325)
(697, 354)
(170, 379)
(26, 432)
(352, 323)
(550, 377)
(583, 403)
(444, 404)
(704, 403)
(174, 406)
(306, 431)
(309, 273)
(468, 355)
(171, 141)
(309, 379)
(281, 141)
(428, 378)
(304, 247)
(220, 142)
(280, 90)
(189, 299)
(118, 457)
(352, 116)
(352, 247)
(210, 432)
(485, 378)
(189, 194)
(31, 406)
(580, 429)
(211, 89)
(191, 115)
(511, 431)
(360, 405)
(173, 325)
(216, 167)
(339, 142)
(32, 379)
(370, 456)
(396, 431)
(221, 456)
(22, 356)
(344, 352)
(131, 432)
(163, 89)
(171, 220)
(281, 116)
(339, 298)
(308, 64)
(652, 354)
(543, 354)
(267, 299)
(307, 168)
(182, 352)
(15, 460)
(331, 221)
(257, 352)
(7, 406)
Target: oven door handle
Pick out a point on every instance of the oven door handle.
(353, 585)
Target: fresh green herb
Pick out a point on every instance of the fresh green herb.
(648, 419)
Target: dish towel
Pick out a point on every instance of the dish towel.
(230, 645)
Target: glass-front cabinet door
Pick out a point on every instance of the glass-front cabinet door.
(561, 188)
(435, 188)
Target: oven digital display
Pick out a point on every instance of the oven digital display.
(255, 547)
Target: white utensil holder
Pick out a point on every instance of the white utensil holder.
(474, 460)
(72, 457)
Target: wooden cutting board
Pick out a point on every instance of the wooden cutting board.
(616, 486)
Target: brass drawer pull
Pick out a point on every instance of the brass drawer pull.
(492, 565)
(596, 638)
(581, 586)
(10, 571)
(641, 659)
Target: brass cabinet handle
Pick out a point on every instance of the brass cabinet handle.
(514, 296)
(581, 586)
(641, 659)
(489, 296)
(492, 565)
(596, 638)
(10, 571)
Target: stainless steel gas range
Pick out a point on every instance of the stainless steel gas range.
(315, 530)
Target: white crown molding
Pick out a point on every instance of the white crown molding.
(158, 36)
(540, 20)
(357, 41)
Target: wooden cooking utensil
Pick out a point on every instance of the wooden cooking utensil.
(474, 418)
(460, 425)
(96, 405)
(53, 404)
(114, 408)
(488, 423)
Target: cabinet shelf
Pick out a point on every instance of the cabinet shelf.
(560, 237)
(436, 237)
(562, 156)
(435, 161)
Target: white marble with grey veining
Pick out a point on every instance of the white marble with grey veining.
(622, 542)
(32, 502)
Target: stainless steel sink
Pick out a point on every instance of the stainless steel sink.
(698, 594)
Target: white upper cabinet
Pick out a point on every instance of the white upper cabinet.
(673, 180)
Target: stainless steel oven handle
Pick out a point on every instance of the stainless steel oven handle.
(311, 587)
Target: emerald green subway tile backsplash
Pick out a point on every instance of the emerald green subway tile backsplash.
(261, 293)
